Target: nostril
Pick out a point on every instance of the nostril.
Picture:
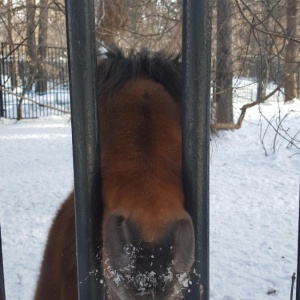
(143, 266)
(184, 248)
(115, 240)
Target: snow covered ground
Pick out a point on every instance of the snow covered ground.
(254, 201)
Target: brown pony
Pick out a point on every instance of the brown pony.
(147, 246)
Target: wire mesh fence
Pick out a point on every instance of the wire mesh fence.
(34, 85)
(244, 90)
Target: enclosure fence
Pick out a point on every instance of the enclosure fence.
(33, 79)
(36, 80)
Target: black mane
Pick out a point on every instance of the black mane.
(115, 69)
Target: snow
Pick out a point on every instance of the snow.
(34, 104)
(253, 210)
(35, 176)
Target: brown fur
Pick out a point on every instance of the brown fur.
(141, 175)
(152, 185)
(58, 279)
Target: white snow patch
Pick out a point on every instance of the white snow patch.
(253, 207)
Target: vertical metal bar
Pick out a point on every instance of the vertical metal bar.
(86, 145)
(298, 261)
(196, 122)
(2, 74)
(1, 93)
(4, 97)
(2, 287)
(4, 79)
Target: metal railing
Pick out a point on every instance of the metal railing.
(86, 144)
(195, 135)
(196, 66)
(39, 87)
(2, 288)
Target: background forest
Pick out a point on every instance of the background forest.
(255, 39)
(254, 171)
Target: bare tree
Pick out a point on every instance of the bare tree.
(41, 84)
(224, 63)
(252, 39)
(13, 73)
(31, 42)
(263, 50)
(290, 86)
(110, 21)
(263, 57)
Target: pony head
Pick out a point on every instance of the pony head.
(148, 237)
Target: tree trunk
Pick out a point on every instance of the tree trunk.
(31, 53)
(290, 84)
(263, 76)
(31, 43)
(12, 69)
(111, 18)
(41, 85)
(224, 111)
(263, 63)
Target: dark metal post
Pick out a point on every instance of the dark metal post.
(298, 264)
(1, 94)
(86, 148)
(2, 287)
(196, 122)
(1, 73)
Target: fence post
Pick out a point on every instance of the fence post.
(196, 123)
(1, 94)
(298, 258)
(1, 74)
(86, 146)
(2, 287)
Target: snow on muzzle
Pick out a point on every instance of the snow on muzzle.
(154, 270)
